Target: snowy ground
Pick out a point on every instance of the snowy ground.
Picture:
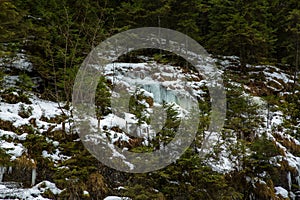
(9, 190)
(39, 112)
(158, 82)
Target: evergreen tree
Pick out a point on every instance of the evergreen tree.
(186, 15)
(283, 21)
(102, 100)
(60, 34)
(242, 114)
(293, 42)
(240, 28)
(10, 17)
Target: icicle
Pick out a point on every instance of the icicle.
(2, 171)
(33, 176)
(10, 169)
(289, 180)
(298, 173)
(251, 196)
(292, 195)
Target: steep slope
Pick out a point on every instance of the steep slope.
(42, 155)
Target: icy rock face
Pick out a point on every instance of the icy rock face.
(165, 83)
(162, 94)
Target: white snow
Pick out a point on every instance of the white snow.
(40, 108)
(55, 157)
(85, 192)
(15, 150)
(279, 76)
(10, 81)
(224, 165)
(34, 193)
(21, 63)
(120, 188)
(55, 143)
(116, 198)
(9, 134)
(281, 191)
(48, 109)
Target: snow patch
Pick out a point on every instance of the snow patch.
(281, 191)
(116, 198)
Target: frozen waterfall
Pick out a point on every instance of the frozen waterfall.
(162, 94)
